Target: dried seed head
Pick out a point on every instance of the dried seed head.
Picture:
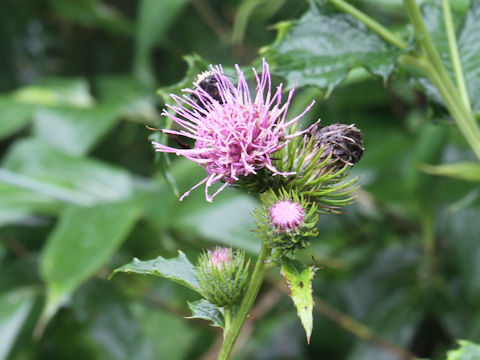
(343, 143)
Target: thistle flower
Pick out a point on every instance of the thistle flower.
(223, 275)
(236, 136)
(286, 221)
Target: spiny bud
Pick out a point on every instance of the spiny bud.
(285, 221)
(321, 160)
(223, 275)
(343, 143)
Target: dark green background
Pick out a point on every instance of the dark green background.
(81, 191)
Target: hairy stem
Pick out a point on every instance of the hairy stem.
(433, 67)
(454, 55)
(227, 315)
(370, 23)
(431, 53)
(256, 281)
(454, 106)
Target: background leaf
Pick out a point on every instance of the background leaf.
(469, 171)
(83, 240)
(14, 310)
(89, 181)
(74, 131)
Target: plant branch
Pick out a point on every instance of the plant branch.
(454, 55)
(227, 316)
(370, 23)
(452, 102)
(433, 67)
(256, 281)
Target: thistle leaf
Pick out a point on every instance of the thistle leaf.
(202, 309)
(467, 351)
(299, 280)
(178, 269)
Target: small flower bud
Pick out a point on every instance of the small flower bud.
(223, 275)
(286, 221)
(287, 215)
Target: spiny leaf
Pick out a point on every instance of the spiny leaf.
(202, 309)
(299, 279)
(178, 269)
(322, 47)
(467, 351)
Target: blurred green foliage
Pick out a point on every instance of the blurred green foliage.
(81, 192)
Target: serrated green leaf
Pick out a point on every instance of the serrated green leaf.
(322, 47)
(468, 171)
(202, 309)
(178, 269)
(14, 309)
(82, 241)
(467, 351)
(299, 280)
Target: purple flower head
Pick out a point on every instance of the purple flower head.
(220, 257)
(235, 133)
(287, 215)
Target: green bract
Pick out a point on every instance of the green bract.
(291, 239)
(223, 283)
(315, 178)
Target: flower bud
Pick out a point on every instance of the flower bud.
(223, 275)
(286, 221)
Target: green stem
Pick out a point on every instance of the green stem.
(471, 134)
(454, 55)
(256, 281)
(370, 23)
(227, 315)
(432, 54)
(423, 36)
(434, 69)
